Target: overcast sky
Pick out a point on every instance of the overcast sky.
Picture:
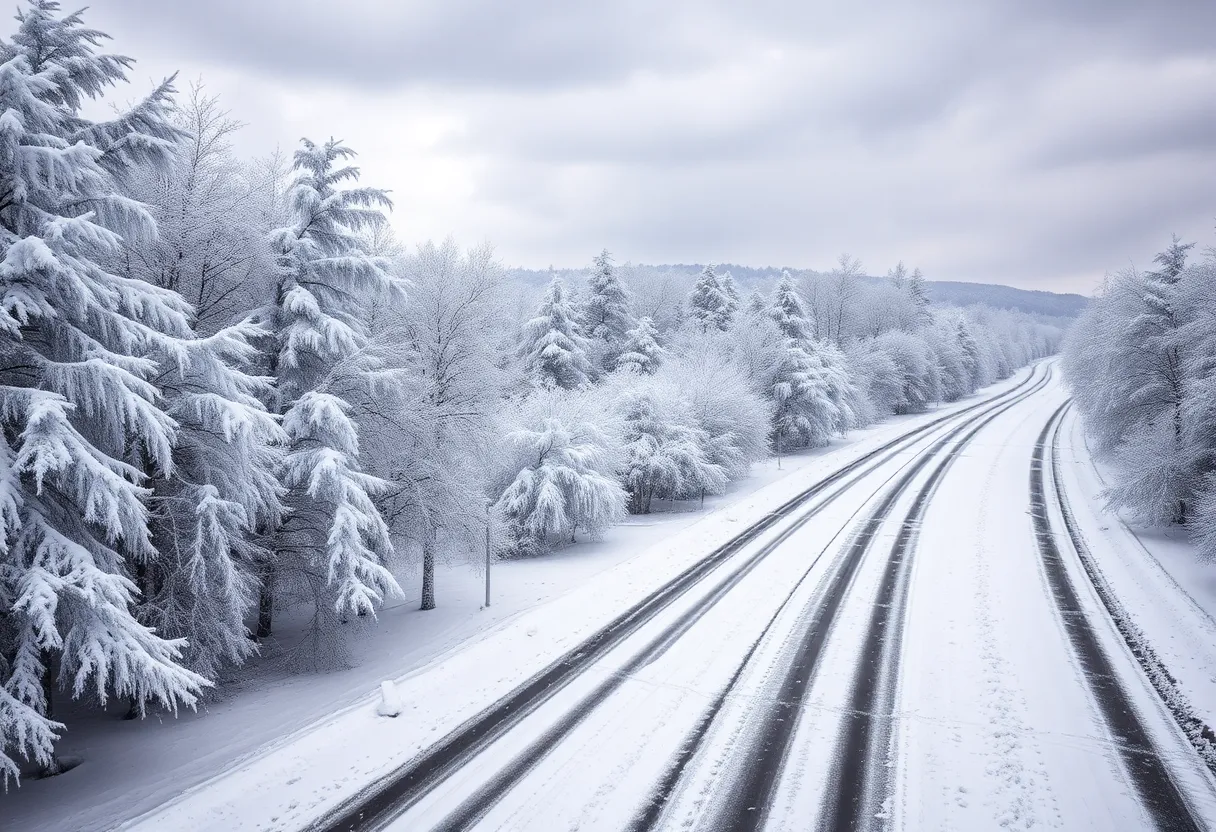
(1029, 142)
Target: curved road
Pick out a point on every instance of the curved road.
(914, 643)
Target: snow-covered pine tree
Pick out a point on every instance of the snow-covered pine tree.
(80, 422)
(224, 484)
(325, 281)
(898, 276)
(787, 310)
(665, 451)
(1150, 379)
(919, 293)
(553, 348)
(731, 292)
(223, 490)
(641, 350)
(709, 304)
(560, 475)
(813, 398)
(607, 315)
(756, 304)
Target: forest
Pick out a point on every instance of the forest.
(228, 390)
(1141, 361)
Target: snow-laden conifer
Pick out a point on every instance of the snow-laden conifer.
(641, 350)
(81, 421)
(607, 315)
(709, 304)
(325, 281)
(553, 348)
(787, 310)
(224, 491)
(665, 451)
(558, 477)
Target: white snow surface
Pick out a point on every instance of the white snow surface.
(277, 749)
(993, 724)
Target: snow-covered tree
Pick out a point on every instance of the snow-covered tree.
(324, 283)
(210, 246)
(709, 303)
(559, 473)
(665, 452)
(730, 291)
(607, 316)
(80, 422)
(813, 397)
(898, 276)
(723, 402)
(430, 434)
(553, 348)
(222, 491)
(224, 486)
(756, 303)
(1132, 361)
(641, 350)
(918, 292)
(920, 383)
(787, 310)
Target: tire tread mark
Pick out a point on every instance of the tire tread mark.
(1158, 792)
(375, 805)
(747, 809)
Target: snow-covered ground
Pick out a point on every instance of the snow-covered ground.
(133, 767)
(982, 714)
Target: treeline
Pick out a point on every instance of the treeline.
(227, 392)
(1141, 361)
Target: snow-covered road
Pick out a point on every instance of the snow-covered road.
(922, 640)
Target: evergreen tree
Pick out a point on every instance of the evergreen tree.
(324, 282)
(553, 347)
(606, 314)
(641, 350)
(80, 423)
(756, 304)
(709, 303)
(1156, 382)
(665, 452)
(813, 397)
(560, 475)
(731, 292)
(224, 485)
(787, 310)
(919, 293)
(898, 276)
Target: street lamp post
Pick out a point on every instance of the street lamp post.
(487, 554)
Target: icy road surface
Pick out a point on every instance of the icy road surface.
(936, 636)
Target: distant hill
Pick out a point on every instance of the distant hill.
(1007, 297)
(1031, 301)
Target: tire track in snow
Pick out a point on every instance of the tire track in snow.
(767, 748)
(859, 786)
(1198, 733)
(1158, 792)
(383, 801)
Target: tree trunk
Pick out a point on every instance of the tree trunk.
(428, 577)
(54, 765)
(266, 602)
(1180, 511)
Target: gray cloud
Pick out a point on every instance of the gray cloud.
(1027, 141)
